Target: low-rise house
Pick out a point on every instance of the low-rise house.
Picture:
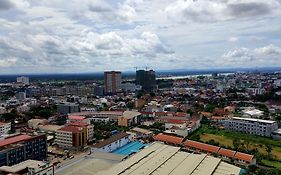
(140, 133)
(244, 159)
(202, 147)
(114, 142)
(129, 118)
(29, 167)
(168, 139)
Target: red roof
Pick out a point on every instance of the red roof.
(167, 138)
(73, 117)
(227, 152)
(176, 121)
(13, 140)
(202, 146)
(70, 129)
(77, 124)
(245, 157)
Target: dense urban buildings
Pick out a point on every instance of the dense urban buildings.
(112, 82)
(23, 80)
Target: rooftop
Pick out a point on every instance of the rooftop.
(254, 120)
(161, 159)
(131, 114)
(167, 138)
(21, 166)
(110, 140)
(243, 156)
(226, 152)
(74, 117)
(13, 140)
(70, 129)
(202, 146)
(141, 130)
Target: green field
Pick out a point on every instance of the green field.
(225, 139)
(274, 164)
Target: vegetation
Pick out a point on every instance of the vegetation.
(265, 149)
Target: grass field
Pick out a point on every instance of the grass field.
(225, 138)
(274, 164)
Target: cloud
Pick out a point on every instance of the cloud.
(269, 55)
(6, 4)
(233, 39)
(220, 10)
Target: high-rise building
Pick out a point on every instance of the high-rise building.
(146, 79)
(112, 82)
(23, 80)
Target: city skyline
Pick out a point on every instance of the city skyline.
(58, 36)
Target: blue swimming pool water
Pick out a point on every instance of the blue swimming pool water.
(129, 148)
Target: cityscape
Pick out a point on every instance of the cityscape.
(140, 87)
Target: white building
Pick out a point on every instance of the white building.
(29, 167)
(5, 128)
(252, 112)
(21, 96)
(251, 126)
(2, 110)
(114, 142)
(23, 80)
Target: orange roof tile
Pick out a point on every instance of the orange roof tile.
(243, 156)
(227, 152)
(202, 146)
(70, 129)
(167, 138)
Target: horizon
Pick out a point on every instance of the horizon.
(52, 36)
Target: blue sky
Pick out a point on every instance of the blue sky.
(56, 36)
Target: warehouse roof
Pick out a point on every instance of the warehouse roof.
(160, 159)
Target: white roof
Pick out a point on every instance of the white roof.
(254, 120)
(160, 159)
(20, 166)
(131, 114)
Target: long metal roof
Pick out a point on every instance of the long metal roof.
(160, 159)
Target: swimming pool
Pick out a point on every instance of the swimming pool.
(130, 148)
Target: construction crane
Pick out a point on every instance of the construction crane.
(146, 68)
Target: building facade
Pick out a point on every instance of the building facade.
(16, 149)
(66, 108)
(114, 142)
(251, 126)
(5, 128)
(146, 79)
(112, 82)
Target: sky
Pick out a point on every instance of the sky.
(72, 36)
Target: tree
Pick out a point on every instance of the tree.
(236, 143)
(268, 149)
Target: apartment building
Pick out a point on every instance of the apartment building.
(74, 135)
(19, 148)
(129, 118)
(5, 128)
(251, 126)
